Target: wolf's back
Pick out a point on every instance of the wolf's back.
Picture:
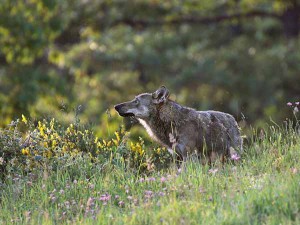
(226, 123)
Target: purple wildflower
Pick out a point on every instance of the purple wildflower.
(148, 194)
(289, 104)
(297, 103)
(142, 180)
(105, 197)
(161, 193)
(151, 179)
(52, 197)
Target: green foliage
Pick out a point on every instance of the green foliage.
(27, 27)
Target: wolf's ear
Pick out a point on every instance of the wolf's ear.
(161, 95)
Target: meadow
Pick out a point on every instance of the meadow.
(58, 174)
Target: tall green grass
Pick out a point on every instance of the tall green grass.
(262, 188)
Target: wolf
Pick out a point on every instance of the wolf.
(184, 131)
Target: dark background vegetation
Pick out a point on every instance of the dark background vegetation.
(238, 56)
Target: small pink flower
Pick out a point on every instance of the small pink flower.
(297, 103)
(294, 170)
(163, 179)
(289, 104)
(142, 180)
(90, 202)
(135, 201)
(235, 157)
(121, 203)
(213, 171)
(202, 190)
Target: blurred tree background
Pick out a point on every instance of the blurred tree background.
(238, 56)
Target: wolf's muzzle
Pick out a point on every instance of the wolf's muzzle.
(122, 112)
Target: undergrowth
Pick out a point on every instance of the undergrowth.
(53, 174)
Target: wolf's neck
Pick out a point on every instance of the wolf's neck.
(159, 132)
(159, 127)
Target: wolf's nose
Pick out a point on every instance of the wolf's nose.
(117, 107)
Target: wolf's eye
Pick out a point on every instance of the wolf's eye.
(136, 101)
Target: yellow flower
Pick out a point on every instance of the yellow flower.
(48, 154)
(137, 148)
(41, 128)
(158, 150)
(52, 124)
(25, 151)
(99, 145)
(117, 136)
(24, 119)
(117, 140)
(64, 148)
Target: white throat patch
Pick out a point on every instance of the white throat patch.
(148, 129)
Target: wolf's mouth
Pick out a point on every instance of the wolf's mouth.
(126, 114)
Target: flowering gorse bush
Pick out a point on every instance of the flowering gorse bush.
(50, 145)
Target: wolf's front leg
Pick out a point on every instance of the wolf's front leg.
(181, 153)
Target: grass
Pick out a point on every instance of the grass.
(262, 188)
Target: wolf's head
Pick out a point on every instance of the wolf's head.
(143, 105)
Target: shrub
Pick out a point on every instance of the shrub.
(52, 146)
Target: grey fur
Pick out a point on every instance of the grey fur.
(187, 131)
